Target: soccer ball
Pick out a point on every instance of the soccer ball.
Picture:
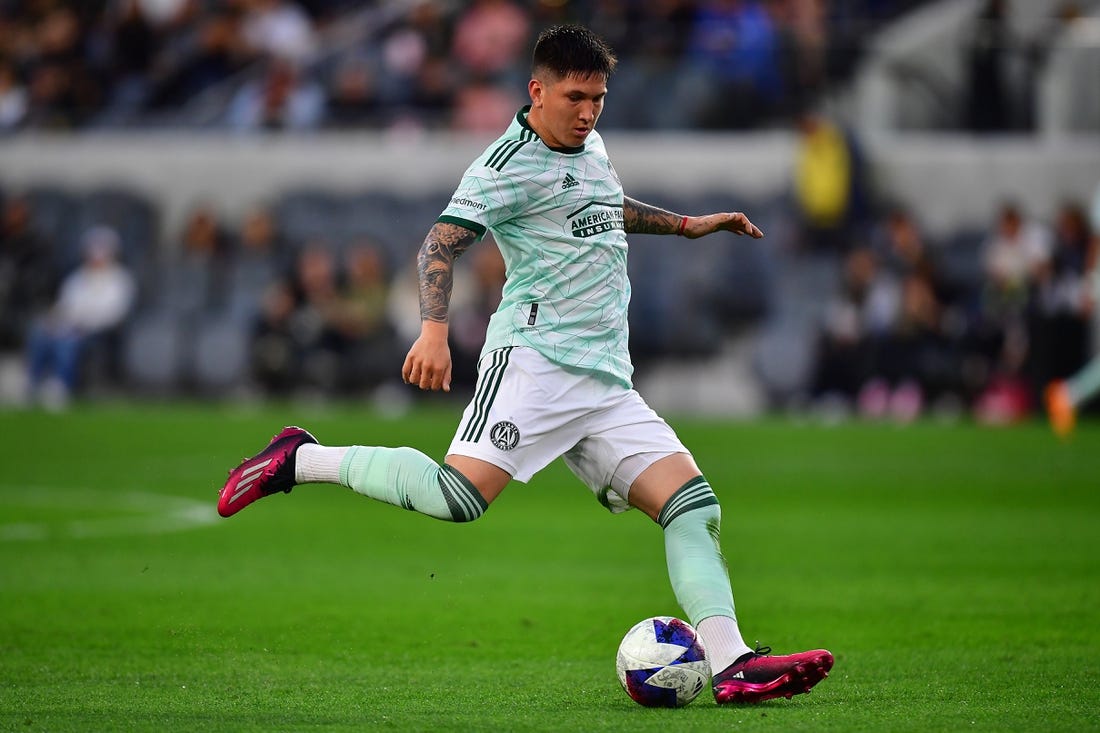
(661, 663)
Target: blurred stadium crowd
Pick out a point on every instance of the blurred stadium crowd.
(307, 64)
(313, 292)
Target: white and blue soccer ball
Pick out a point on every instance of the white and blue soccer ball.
(661, 663)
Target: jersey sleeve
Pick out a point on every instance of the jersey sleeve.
(484, 198)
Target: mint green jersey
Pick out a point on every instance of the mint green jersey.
(557, 217)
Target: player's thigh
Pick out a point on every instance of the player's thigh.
(525, 412)
(657, 483)
(488, 479)
(625, 438)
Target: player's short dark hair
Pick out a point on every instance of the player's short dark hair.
(572, 50)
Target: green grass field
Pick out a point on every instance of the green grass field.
(953, 570)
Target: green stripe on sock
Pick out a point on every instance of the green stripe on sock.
(695, 494)
(462, 508)
(407, 478)
(465, 492)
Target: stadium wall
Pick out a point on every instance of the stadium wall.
(950, 181)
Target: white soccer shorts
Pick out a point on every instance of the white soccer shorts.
(527, 411)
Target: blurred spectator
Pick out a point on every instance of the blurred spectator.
(900, 245)
(650, 40)
(1014, 255)
(260, 258)
(1064, 397)
(315, 323)
(491, 39)
(482, 108)
(135, 62)
(13, 97)
(133, 45)
(988, 99)
(362, 321)
(281, 100)
(831, 195)
(195, 281)
(417, 78)
(259, 236)
(274, 355)
(206, 52)
(324, 12)
(854, 325)
(93, 303)
(434, 94)
(804, 25)
(27, 272)
(915, 361)
(352, 95)
(919, 360)
(903, 251)
(278, 28)
(405, 48)
(1061, 308)
(164, 12)
(64, 92)
(734, 48)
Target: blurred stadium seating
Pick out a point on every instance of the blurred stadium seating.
(897, 79)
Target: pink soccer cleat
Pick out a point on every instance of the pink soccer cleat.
(757, 676)
(267, 472)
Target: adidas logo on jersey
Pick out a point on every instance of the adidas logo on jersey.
(569, 182)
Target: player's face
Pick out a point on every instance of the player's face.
(564, 110)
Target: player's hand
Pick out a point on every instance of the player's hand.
(428, 364)
(734, 221)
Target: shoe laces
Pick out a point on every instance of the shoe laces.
(762, 650)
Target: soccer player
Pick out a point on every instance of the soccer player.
(554, 378)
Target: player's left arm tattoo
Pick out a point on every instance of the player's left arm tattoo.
(444, 244)
(641, 218)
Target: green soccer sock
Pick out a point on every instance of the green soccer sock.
(407, 478)
(691, 520)
(700, 579)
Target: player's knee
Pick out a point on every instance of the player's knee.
(464, 501)
(695, 499)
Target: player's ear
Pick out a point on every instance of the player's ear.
(536, 90)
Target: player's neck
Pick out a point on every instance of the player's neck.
(534, 121)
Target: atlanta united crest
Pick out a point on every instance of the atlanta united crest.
(504, 435)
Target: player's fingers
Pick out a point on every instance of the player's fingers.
(747, 227)
(447, 380)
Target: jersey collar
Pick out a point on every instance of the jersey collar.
(521, 118)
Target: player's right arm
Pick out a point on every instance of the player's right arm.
(428, 364)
